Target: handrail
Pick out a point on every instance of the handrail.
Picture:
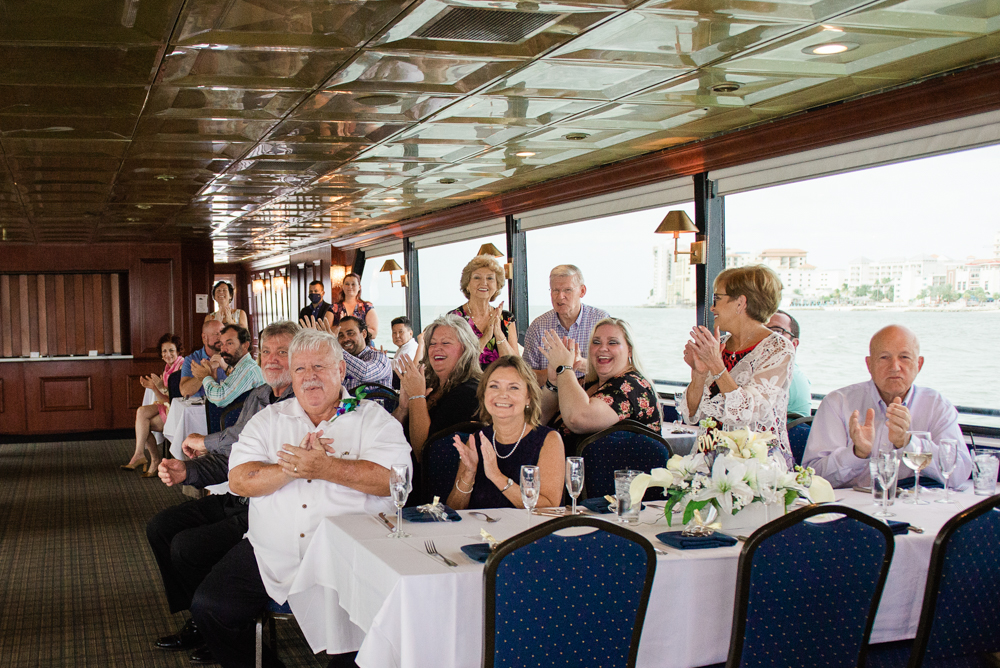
(968, 410)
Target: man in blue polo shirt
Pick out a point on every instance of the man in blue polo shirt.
(211, 337)
(569, 317)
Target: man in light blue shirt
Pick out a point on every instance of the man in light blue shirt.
(841, 441)
(568, 317)
(799, 394)
(242, 372)
(212, 341)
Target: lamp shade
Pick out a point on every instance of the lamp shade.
(676, 222)
(490, 249)
(390, 265)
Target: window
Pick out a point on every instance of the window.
(389, 300)
(441, 272)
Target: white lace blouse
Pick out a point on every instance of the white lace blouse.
(760, 403)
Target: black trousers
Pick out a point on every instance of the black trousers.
(226, 606)
(189, 539)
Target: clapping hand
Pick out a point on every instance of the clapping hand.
(309, 459)
(201, 370)
(194, 446)
(705, 350)
(467, 453)
(863, 435)
(897, 419)
(151, 382)
(411, 377)
(310, 322)
(559, 352)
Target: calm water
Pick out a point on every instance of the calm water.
(959, 358)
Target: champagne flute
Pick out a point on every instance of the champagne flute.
(399, 487)
(574, 478)
(886, 468)
(531, 485)
(917, 455)
(947, 451)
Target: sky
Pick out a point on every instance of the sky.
(938, 205)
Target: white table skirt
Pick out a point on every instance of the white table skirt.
(183, 419)
(418, 613)
(149, 398)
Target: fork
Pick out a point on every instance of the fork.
(431, 550)
(484, 517)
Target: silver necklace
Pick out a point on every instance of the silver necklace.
(515, 445)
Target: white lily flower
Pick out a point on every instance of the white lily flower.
(655, 478)
(727, 485)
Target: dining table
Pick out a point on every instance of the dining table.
(186, 417)
(416, 612)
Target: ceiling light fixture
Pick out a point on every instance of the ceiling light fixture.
(830, 48)
(165, 177)
(144, 207)
(725, 87)
(378, 100)
(524, 154)
(577, 136)
(447, 180)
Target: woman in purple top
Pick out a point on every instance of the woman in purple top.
(482, 280)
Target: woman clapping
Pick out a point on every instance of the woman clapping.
(481, 283)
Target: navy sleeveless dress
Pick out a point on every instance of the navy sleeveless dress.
(487, 495)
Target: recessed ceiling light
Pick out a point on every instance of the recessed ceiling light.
(830, 48)
(378, 100)
(447, 180)
(833, 29)
(317, 224)
(577, 136)
(524, 154)
(165, 177)
(390, 199)
(144, 206)
(725, 87)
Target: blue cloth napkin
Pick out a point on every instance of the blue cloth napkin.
(414, 515)
(675, 539)
(477, 552)
(925, 481)
(898, 528)
(596, 505)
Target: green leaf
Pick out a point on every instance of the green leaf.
(693, 506)
(790, 496)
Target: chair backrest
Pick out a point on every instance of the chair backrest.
(174, 385)
(669, 413)
(439, 464)
(626, 445)
(214, 414)
(960, 616)
(386, 397)
(577, 600)
(798, 435)
(807, 592)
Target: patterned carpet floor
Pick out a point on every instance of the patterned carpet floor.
(78, 583)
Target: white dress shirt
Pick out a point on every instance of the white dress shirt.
(282, 523)
(830, 449)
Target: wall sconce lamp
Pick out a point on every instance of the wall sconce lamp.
(391, 266)
(337, 274)
(678, 223)
(258, 286)
(490, 249)
(279, 283)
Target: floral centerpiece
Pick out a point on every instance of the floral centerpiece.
(730, 470)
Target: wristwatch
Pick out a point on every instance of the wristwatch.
(550, 387)
(561, 368)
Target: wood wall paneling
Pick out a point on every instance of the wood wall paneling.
(63, 319)
(6, 342)
(79, 346)
(13, 419)
(65, 393)
(98, 300)
(22, 282)
(67, 396)
(116, 321)
(52, 315)
(126, 391)
(43, 324)
(156, 318)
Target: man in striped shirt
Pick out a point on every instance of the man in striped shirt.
(242, 372)
(364, 363)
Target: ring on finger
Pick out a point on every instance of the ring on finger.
(295, 469)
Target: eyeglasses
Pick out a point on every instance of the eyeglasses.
(782, 331)
(715, 297)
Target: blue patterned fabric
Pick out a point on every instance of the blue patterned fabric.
(617, 449)
(797, 437)
(440, 466)
(967, 614)
(811, 590)
(213, 413)
(568, 602)
(278, 609)
(386, 397)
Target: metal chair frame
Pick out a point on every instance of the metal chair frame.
(630, 426)
(540, 531)
(271, 613)
(768, 531)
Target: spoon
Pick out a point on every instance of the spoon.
(484, 516)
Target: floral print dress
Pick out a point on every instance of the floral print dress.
(490, 352)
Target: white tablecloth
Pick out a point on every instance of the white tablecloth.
(184, 418)
(418, 613)
(681, 437)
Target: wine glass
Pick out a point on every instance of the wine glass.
(574, 478)
(531, 485)
(767, 485)
(947, 451)
(399, 487)
(886, 468)
(917, 455)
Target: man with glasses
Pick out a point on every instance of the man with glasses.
(799, 394)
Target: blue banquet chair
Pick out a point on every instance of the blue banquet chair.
(960, 619)
(214, 414)
(626, 445)
(807, 592)
(440, 460)
(567, 599)
(386, 397)
(798, 435)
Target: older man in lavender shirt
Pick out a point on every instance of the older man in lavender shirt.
(856, 420)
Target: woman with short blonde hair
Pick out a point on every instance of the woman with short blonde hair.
(482, 281)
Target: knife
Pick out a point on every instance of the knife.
(385, 520)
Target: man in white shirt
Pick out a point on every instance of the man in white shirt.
(856, 420)
(568, 317)
(340, 466)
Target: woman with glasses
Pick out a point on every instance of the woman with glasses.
(741, 378)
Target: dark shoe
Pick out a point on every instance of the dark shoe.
(187, 638)
(202, 655)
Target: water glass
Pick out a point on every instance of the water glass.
(917, 455)
(574, 478)
(531, 486)
(947, 456)
(628, 513)
(881, 496)
(399, 487)
(984, 475)
(885, 471)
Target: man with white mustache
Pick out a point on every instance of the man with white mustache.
(190, 538)
(340, 465)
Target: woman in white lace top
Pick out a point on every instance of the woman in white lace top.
(741, 378)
